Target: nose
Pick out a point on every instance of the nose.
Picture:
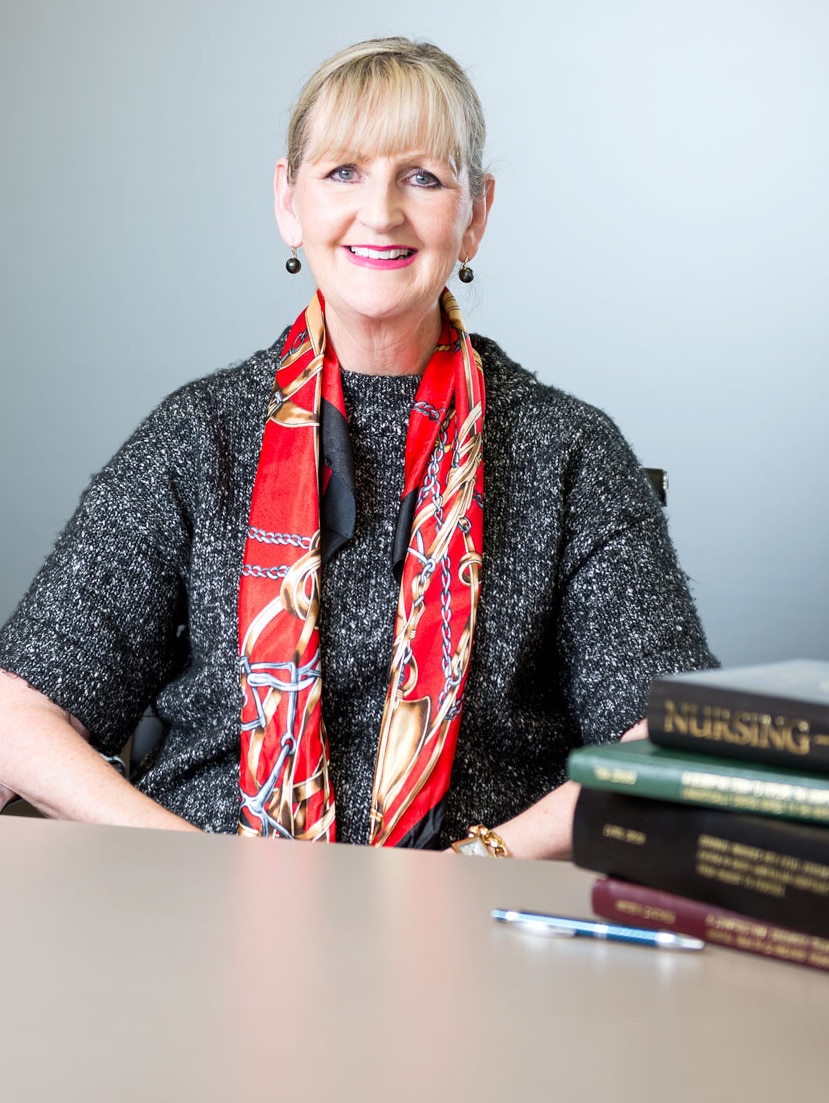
(380, 206)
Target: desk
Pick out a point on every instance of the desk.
(142, 965)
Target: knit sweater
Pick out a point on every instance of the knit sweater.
(582, 602)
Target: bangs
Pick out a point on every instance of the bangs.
(387, 96)
(357, 121)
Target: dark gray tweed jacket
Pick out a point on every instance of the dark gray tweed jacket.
(582, 601)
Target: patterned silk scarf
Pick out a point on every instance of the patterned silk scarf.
(302, 511)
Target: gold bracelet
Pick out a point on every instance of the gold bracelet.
(482, 842)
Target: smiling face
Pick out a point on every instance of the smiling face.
(381, 231)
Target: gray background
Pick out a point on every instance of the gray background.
(661, 220)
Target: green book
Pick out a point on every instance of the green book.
(641, 769)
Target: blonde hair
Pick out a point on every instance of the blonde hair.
(387, 94)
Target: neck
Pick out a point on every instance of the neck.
(383, 348)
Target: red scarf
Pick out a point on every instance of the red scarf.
(302, 510)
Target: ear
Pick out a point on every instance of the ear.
(284, 206)
(481, 205)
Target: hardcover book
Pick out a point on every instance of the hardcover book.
(642, 769)
(771, 869)
(773, 712)
(625, 902)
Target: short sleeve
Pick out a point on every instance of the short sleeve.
(97, 630)
(626, 614)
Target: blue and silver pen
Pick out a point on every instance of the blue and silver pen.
(563, 926)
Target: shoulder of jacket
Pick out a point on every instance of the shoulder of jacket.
(237, 383)
(201, 416)
(512, 390)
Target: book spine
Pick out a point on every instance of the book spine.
(735, 724)
(703, 780)
(769, 869)
(624, 902)
(590, 766)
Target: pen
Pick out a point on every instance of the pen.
(565, 927)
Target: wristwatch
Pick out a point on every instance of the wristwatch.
(480, 842)
(475, 848)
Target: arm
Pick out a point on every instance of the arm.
(95, 637)
(632, 590)
(45, 758)
(626, 616)
(545, 830)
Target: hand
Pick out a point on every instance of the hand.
(6, 796)
(638, 731)
(46, 757)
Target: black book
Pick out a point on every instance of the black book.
(771, 869)
(773, 712)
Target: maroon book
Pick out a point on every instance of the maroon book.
(640, 906)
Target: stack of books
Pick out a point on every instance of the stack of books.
(717, 825)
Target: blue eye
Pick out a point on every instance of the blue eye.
(346, 174)
(423, 179)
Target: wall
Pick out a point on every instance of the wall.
(661, 208)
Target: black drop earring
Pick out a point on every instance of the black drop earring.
(466, 275)
(293, 262)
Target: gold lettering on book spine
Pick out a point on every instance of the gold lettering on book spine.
(764, 871)
(646, 912)
(740, 727)
(624, 834)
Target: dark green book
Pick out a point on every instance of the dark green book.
(642, 769)
(773, 712)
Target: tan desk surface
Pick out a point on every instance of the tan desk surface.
(151, 966)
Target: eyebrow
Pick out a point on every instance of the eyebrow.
(407, 158)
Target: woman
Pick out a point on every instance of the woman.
(272, 518)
